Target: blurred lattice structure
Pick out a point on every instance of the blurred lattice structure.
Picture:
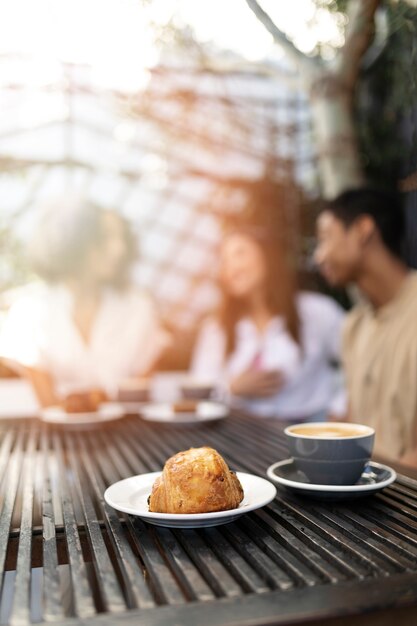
(174, 158)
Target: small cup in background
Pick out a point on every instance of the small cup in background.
(134, 390)
(194, 389)
(331, 453)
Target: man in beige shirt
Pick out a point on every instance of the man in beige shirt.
(359, 242)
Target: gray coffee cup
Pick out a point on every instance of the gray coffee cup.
(331, 453)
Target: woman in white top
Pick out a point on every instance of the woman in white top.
(84, 327)
(270, 347)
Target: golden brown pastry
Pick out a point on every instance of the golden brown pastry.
(195, 481)
(84, 402)
(185, 406)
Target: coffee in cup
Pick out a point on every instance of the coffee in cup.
(328, 431)
(331, 453)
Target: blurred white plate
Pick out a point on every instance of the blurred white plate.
(131, 496)
(206, 412)
(107, 412)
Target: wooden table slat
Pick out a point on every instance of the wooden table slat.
(214, 572)
(398, 553)
(83, 598)
(10, 486)
(404, 539)
(296, 559)
(249, 577)
(52, 603)
(337, 542)
(21, 601)
(327, 564)
(166, 587)
(185, 571)
(109, 585)
(133, 576)
(258, 557)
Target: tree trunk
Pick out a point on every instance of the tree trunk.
(337, 148)
(332, 88)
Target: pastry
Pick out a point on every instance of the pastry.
(84, 402)
(195, 481)
(185, 406)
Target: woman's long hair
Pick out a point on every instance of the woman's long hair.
(265, 227)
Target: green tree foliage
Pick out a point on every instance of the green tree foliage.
(387, 100)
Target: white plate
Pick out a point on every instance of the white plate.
(107, 412)
(206, 412)
(374, 478)
(131, 496)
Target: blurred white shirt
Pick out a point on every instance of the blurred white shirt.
(312, 385)
(39, 332)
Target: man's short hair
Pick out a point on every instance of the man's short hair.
(384, 206)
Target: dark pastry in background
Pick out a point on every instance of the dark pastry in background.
(84, 402)
(185, 406)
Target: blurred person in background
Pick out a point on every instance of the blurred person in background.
(360, 236)
(84, 327)
(271, 346)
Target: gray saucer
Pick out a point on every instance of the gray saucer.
(375, 477)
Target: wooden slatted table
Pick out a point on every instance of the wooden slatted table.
(65, 556)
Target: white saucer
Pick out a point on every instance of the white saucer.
(375, 477)
(131, 496)
(206, 412)
(107, 412)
